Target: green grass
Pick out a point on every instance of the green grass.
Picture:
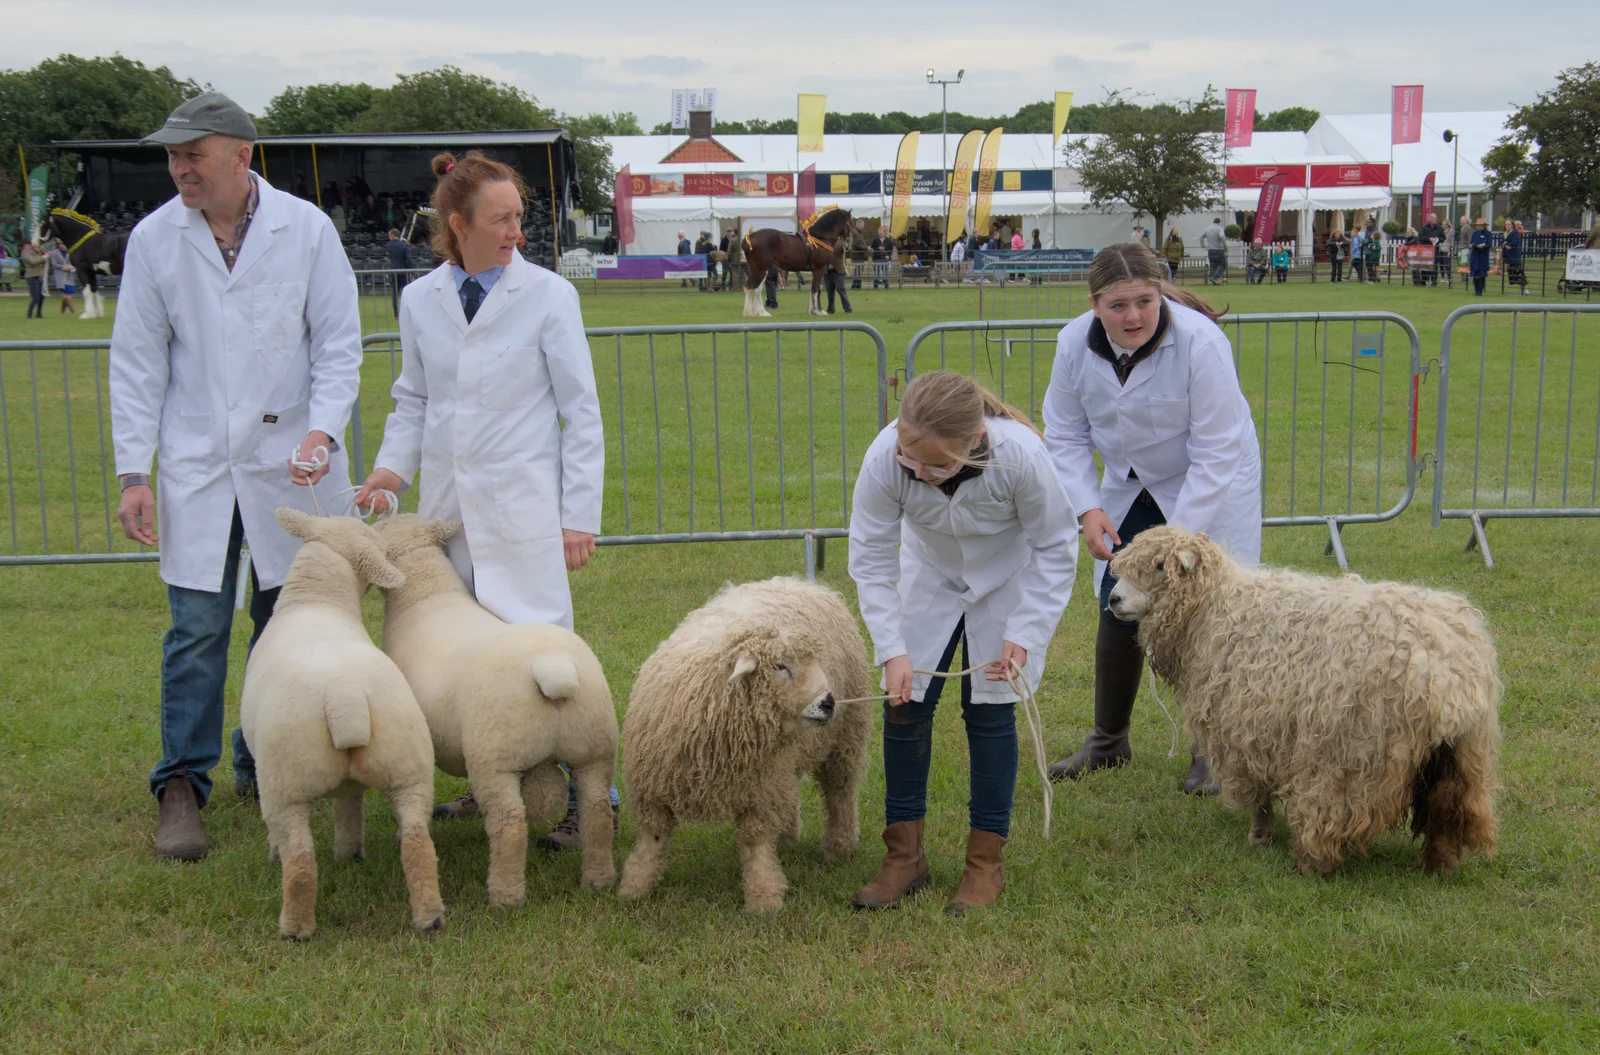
(1145, 924)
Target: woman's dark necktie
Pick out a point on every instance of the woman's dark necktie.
(474, 297)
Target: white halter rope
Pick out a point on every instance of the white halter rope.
(319, 459)
(1018, 680)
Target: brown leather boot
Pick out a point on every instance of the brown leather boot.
(985, 875)
(180, 835)
(905, 868)
(1200, 781)
(1118, 662)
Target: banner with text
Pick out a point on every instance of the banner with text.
(812, 110)
(988, 164)
(1405, 118)
(961, 185)
(1241, 120)
(905, 172)
(1427, 196)
(1267, 207)
(623, 196)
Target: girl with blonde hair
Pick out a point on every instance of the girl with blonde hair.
(962, 535)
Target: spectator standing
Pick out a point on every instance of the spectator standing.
(65, 276)
(1338, 250)
(608, 244)
(1358, 260)
(1172, 252)
(1037, 244)
(5, 254)
(33, 265)
(1511, 256)
(1372, 249)
(399, 251)
(1215, 243)
(858, 243)
(1478, 255)
(1016, 241)
(1430, 233)
(684, 249)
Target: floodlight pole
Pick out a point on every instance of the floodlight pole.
(944, 152)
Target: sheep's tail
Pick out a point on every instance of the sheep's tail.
(349, 719)
(556, 675)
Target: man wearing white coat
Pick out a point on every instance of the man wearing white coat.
(236, 351)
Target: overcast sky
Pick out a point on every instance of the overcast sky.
(626, 55)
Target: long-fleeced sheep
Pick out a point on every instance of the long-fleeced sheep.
(329, 715)
(1351, 701)
(730, 712)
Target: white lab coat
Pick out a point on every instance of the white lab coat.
(480, 409)
(223, 373)
(1001, 552)
(1181, 423)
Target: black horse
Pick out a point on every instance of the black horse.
(766, 248)
(90, 249)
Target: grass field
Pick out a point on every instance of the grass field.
(1145, 924)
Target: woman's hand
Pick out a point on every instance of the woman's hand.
(579, 547)
(1013, 657)
(306, 453)
(1096, 526)
(897, 680)
(379, 480)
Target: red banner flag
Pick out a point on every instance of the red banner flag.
(805, 202)
(1427, 197)
(1241, 119)
(623, 196)
(1267, 206)
(1405, 119)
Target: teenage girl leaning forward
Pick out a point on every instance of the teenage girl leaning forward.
(1146, 379)
(961, 534)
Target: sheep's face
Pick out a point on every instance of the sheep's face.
(791, 679)
(408, 532)
(353, 539)
(1160, 569)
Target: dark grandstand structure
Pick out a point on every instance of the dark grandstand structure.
(118, 182)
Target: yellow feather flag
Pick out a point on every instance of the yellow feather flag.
(988, 162)
(961, 185)
(905, 177)
(1063, 108)
(812, 109)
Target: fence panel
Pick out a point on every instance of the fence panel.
(1335, 398)
(713, 433)
(1518, 424)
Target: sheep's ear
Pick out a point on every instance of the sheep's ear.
(443, 530)
(1186, 560)
(300, 524)
(381, 573)
(742, 668)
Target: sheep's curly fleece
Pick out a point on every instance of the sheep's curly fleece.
(1345, 698)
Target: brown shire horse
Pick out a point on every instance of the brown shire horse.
(765, 249)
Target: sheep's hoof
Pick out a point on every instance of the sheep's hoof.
(429, 929)
(506, 902)
(293, 934)
(599, 884)
(763, 906)
(352, 855)
(1260, 838)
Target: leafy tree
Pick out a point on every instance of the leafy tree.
(315, 109)
(1289, 119)
(617, 123)
(449, 100)
(1158, 160)
(1548, 158)
(69, 97)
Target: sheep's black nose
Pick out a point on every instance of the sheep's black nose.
(827, 705)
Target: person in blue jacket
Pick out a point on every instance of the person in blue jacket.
(1511, 256)
(1478, 258)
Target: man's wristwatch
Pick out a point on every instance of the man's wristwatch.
(128, 480)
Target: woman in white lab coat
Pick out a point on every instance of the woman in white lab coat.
(960, 534)
(496, 404)
(1146, 380)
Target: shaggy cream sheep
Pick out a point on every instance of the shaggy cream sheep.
(329, 715)
(504, 703)
(726, 716)
(1350, 700)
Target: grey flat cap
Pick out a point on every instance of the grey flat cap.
(204, 115)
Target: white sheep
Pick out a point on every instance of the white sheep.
(327, 714)
(730, 712)
(1352, 701)
(504, 702)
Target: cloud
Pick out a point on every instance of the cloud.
(663, 65)
(1134, 45)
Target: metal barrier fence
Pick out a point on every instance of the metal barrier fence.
(706, 441)
(1335, 408)
(1507, 404)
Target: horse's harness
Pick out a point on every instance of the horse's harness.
(93, 230)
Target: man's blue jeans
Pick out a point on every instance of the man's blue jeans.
(194, 672)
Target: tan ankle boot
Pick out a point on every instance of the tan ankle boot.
(985, 875)
(904, 871)
(180, 834)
